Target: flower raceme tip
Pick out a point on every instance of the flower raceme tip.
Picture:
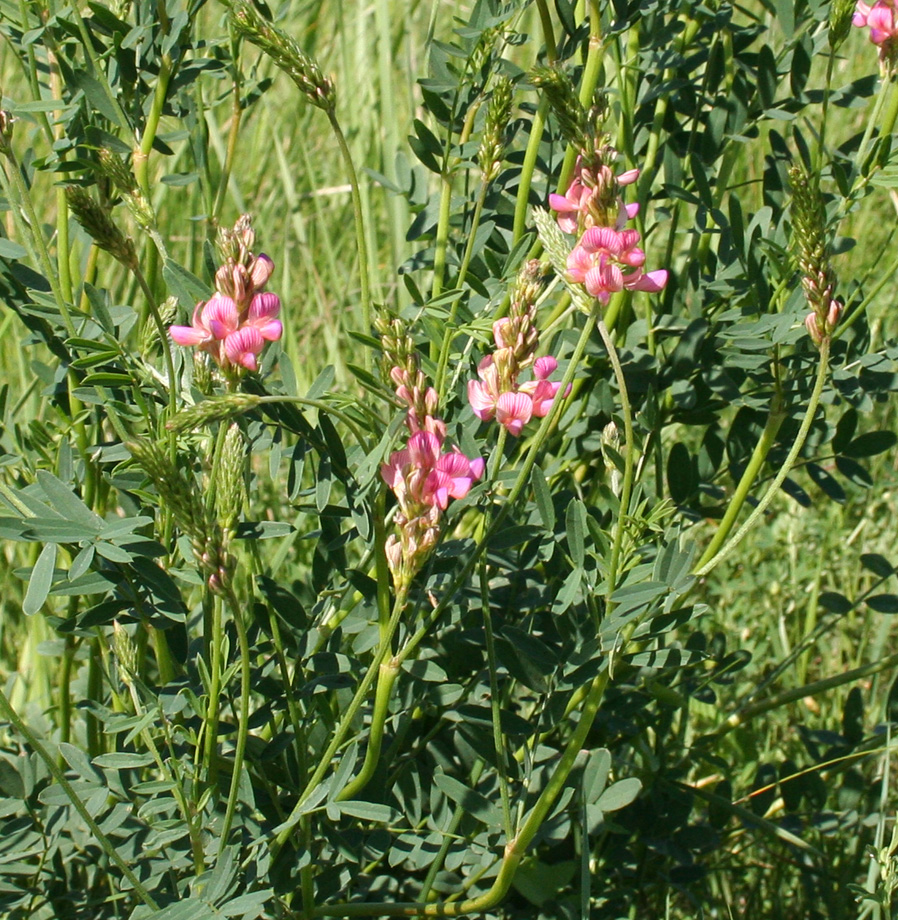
(236, 322)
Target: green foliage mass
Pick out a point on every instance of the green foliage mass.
(645, 670)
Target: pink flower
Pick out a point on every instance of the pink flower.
(243, 346)
(260, 271)
(513, 411)
(882, 19)
(484, 394)
(234, 329)
(593, 192)
(599, 257)
(263, 309)
(421, 476)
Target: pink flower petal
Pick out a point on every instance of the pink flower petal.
(544, 366)
(651, 282)
(242, 347)
(514, 410)
(188, 335)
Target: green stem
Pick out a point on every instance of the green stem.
(780, 478)
(345, 724)
(448, 837)
(359, 220)
(243, 723)
(177, 788)
(515, 847)
(386, 677)
(495, 709)
(449, 334)
(531, 154)
(886, 88)
(99, 74)
(522, 199)
(441, 241)
(215, 640)
(105, 843)
(629, 457)
(142, 154)
(799, 693)
(768, 437)
(234, 131)
(33, 230)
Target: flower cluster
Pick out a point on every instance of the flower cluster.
(423, 476)
(498, 393)
(882, 19)
(606, 259)
(809, 238)
(240, 317)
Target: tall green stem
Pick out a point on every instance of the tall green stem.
(785, 469)
(359, 220)
(759, 455)
(237, 616)
(629, 457)
(342, 730)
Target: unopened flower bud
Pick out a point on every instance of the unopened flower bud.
(260, 271)
(840, 16)
(125, 653)
(6, 123)
(813, 328)
(833, 315)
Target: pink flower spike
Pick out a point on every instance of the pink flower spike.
(243, 346)
(514, 410)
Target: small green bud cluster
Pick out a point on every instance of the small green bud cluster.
(100, 226)
(573, 119)
(6, 123)
(493, 141)
(212, 410)
(840, 16)
(285, 52)
(122, 178)
(185, 502)
(230, 494)
(125, 652)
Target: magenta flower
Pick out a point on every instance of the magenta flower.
(263, 309)
(422, 476)
(515, 404)
(236, 322)
(598, 259)
(882, 19)
(587, 199)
